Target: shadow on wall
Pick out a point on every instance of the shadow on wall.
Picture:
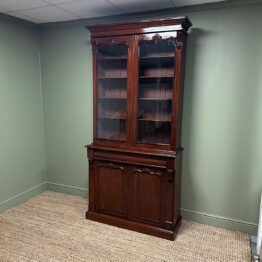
(189, 190)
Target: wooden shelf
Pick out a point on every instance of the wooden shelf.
(155, 77)
(154, 99)
(113, 117)
(154, 120)
(112, 58)
(163, 60)
(112, 77)
(104, 97)
(145, 141)
(157, 56)
(114, 136)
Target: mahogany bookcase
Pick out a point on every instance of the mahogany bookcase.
(135, 158)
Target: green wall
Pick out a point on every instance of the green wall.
(222, 123)
(22, 143)
(67, 92)
(222, 126)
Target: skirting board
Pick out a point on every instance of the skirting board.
(209, 219)
(71, 190)
(22, 197)
(219, 221)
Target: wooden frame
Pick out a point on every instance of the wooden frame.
(135, 183)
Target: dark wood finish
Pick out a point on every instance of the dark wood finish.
(135, 160)
(146, 194)
(111, 188)
(166, 233)
(140, 27)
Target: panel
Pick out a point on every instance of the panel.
(169, 202)
(111, 185)
(155, 91)
(146, 194)
(112, 61)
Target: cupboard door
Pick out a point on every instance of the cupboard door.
(154, 99)
(146, 191)
(111, 188)
(112, 82)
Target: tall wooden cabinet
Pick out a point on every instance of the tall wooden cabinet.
(135, 159)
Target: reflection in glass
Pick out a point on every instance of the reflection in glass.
(112, 91)
(156, 72)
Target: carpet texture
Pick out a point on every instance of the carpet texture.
(52, 227)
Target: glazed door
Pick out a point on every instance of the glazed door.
(146, 194)
(154, 85)
(111, 188)
(112, 87)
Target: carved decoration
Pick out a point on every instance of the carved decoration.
(148, 171)
(91, 163)
(90, 154)
(179, 44)
(111, 165)
(173, 41)
(157, 38)
(114, 42)
(94, 49)
(171, 174)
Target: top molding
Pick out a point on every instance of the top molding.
(140, 27)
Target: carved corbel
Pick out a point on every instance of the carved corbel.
(90, 156)
(91, 163)
(94, 48)
(171, 174)
(179, 40)
(179, 44)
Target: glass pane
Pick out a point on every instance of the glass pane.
(112, 91)
(156, 72)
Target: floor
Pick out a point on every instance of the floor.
(52, 227)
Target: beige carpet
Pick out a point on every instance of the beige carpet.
(52, 227)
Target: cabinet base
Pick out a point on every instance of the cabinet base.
(168, 234)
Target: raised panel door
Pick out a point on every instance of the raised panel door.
(146, 191)
(111, 188)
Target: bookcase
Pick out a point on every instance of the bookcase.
(136, 155)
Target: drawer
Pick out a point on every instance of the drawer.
(134, 159)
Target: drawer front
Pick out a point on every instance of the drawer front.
(130, 159)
